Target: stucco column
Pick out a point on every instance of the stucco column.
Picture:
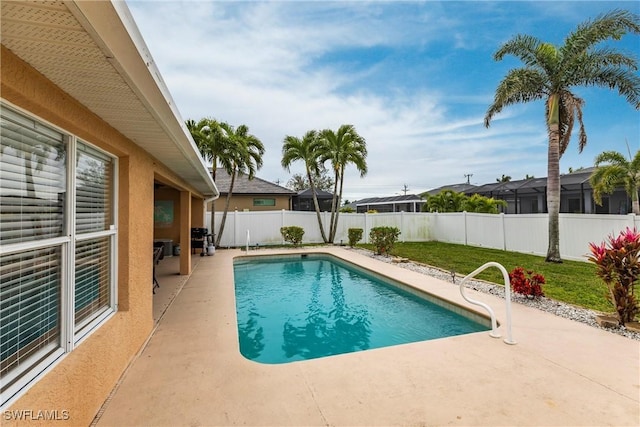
(185, 232)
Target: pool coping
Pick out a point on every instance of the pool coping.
(561, 372)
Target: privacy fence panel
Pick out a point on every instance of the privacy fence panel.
(577, 231)
(485, 230)
(525, 233)
(352, 220)
(415, 227)
(448, 227)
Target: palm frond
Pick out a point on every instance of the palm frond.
(520, 85)
(611, 25)
(521, 46)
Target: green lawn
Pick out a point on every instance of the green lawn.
(572, 282)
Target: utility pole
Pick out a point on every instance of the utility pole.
(405, 189)
(468, 176)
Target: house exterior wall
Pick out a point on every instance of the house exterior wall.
(82, 379)
(242, 202)
(170, 230)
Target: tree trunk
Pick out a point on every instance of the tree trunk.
(553, 188)
(333, 206)
(335, 225)
(316, 205)
(226, 208)
(213, 209)
(635, 205)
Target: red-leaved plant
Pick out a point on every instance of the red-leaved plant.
(619, 268)
(529, 284)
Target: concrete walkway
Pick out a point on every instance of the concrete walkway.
(191, 373)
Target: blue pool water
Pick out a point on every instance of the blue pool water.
(295, 308)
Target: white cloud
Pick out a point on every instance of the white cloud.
(262, 64)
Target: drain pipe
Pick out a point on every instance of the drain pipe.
(507, 286)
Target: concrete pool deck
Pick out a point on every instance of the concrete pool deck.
(190, 373)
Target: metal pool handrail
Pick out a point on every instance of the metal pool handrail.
(507, 286)
(247, 247)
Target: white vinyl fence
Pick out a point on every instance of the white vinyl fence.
(519, 233)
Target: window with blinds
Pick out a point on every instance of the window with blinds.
(94, 186)
(58, 239)
(93, 278)
(33, 176)
(29, 306)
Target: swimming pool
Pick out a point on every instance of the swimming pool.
(314, 305)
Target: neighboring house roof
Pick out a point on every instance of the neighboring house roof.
(387, 200)
(94, 51)
(569, 181)
(459, 188)
(243, 185)
(308, 194)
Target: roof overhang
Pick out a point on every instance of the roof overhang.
(94, 51)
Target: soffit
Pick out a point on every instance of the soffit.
(94, 52)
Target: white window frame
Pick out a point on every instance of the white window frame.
(71, 336)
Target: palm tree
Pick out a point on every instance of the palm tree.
(551, 72)
(305, 149)
(504, 178)
(614, 170)
(445, 201)
(481, 204)
(243, 157)
(214, 146)
(341, 148)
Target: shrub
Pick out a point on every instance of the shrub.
(347, 209)
(529, 284)
(355, 234)
(383, 238)
(372, 211)
(292, 234)
(619, 268)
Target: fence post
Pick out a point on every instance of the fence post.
(504, 232)
(464, 217)
(402, 225)
(366, 232)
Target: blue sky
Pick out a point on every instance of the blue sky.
(414, 78)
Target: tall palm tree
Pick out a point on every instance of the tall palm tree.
(614, 170)
(305, 149)
(243, 157)
(342, 148)
(214, 146)
(551, 73)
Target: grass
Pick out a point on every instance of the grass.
(572, 282)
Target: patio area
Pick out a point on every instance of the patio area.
(190, 373)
